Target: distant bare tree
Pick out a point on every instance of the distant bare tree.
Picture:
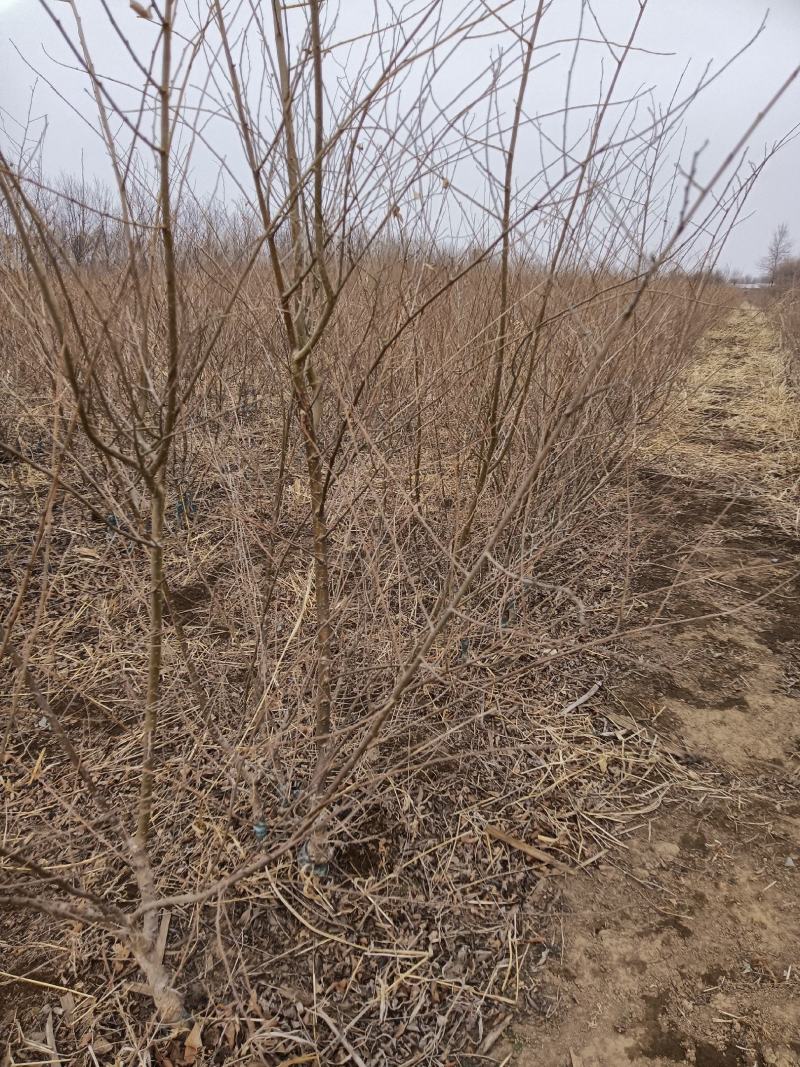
(780, 246)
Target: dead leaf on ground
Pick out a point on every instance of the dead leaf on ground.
(193, 1044)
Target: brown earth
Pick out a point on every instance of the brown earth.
(685, 948)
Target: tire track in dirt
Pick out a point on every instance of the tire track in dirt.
(686, 948)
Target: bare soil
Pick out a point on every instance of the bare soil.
(685, 947)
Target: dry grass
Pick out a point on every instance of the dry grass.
(756, 369)
(786, 314)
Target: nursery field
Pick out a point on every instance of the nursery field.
(398, 542)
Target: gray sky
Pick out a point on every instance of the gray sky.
(696, 31)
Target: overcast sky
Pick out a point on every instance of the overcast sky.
(696, 31)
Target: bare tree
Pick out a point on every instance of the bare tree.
(780, 246)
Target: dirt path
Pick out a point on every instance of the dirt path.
(687, 948)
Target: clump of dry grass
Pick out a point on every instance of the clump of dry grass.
(786, 310)
(742, 356)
